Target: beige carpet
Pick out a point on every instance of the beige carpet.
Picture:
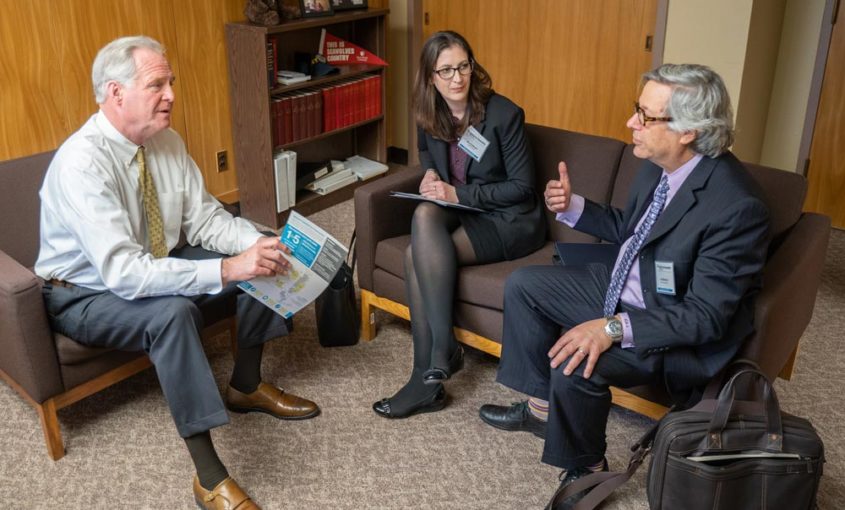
(123, 450)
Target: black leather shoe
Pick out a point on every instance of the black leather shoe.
(566, 478)
(513, 418)
(438, 375)
(430, 404)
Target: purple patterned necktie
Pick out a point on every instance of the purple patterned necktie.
(617, 281)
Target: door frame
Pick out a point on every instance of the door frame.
(829, 18)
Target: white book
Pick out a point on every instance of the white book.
(330, 179)
(291, 177)
(365, 168)
(280, 176)
(337, 184)
(291, 77)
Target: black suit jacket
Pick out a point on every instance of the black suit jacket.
(502, 183)
(715, 232)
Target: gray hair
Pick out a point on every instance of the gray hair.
(700, 103)
(116, 62)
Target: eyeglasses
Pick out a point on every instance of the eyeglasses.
(643, 118)
(447, 73)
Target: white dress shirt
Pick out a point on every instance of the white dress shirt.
(92, 217)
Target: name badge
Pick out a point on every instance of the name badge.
(665, 277)
(473, 144)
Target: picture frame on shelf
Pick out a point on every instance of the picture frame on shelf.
(343, 5)
(312, 8)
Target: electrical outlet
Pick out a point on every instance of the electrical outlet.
(222, 161)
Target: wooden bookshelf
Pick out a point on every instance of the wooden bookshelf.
(251, 94)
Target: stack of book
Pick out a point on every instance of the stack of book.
(351, 101)
(338, 177)
(297, 115)
(307, 112)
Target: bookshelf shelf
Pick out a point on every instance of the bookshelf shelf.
(252, 94)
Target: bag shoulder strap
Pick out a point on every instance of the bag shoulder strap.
(602, 484)
(352, 256)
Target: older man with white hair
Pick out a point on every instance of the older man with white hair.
(114, 202)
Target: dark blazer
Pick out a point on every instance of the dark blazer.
(715, 232)
(502, 183)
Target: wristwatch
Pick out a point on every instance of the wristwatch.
(613, 328)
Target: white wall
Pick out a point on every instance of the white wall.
(788, 107)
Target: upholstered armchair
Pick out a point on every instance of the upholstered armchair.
(50, 370)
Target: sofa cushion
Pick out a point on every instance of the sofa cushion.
(479, 285)
(591, 162)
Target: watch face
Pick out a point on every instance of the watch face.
(614, 328)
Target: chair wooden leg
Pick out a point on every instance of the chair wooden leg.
(52, 430)
(786, 371)
(368, 327)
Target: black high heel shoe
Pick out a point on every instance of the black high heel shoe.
(438, 375)
(431, 404)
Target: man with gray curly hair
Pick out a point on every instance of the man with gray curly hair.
(678, 302)
(116, 199)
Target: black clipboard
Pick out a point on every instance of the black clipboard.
(580, 254)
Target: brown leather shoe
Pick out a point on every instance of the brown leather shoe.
(226, 496)
(273, 401)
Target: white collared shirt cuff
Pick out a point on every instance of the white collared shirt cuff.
(210, 276)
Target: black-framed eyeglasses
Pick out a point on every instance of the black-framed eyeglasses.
(447, 73)
(643, 118)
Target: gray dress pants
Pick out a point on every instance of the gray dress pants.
(167, 329)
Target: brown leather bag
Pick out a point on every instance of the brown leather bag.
(723, 453)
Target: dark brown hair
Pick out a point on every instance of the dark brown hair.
(431, 112)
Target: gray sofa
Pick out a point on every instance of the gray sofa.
(602, 169)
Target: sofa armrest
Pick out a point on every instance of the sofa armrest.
(27, 349)
(791, 279)
(379, 216)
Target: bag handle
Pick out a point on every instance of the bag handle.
(774, 427)
(711, 391)
(352, 253)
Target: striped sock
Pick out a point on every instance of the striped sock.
(538, 408)
(595, 468)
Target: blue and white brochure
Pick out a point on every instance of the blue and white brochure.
(315, 257)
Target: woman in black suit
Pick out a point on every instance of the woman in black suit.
(472, 144)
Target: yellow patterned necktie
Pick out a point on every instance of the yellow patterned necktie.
(155, 227)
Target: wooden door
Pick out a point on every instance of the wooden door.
(826, 172)
(572, 64)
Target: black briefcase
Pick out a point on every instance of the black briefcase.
(722, 454)
(727, 453)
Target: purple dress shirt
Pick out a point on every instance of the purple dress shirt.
(632, 292)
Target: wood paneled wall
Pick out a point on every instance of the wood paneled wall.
(46, 52)
(571, 64)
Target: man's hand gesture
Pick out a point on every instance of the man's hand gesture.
(558, 193)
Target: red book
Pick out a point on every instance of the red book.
(327, 108)
(316, 112)
(378, 95)
(296, 117)
(368, 98)
(311, 126)
(287, 125)
(278, 121)
(360, 99)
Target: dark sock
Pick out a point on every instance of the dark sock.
(410, 395)
(247, 372)
(210, 470)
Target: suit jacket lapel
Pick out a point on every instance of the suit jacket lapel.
(439, 151)
(683, 199)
